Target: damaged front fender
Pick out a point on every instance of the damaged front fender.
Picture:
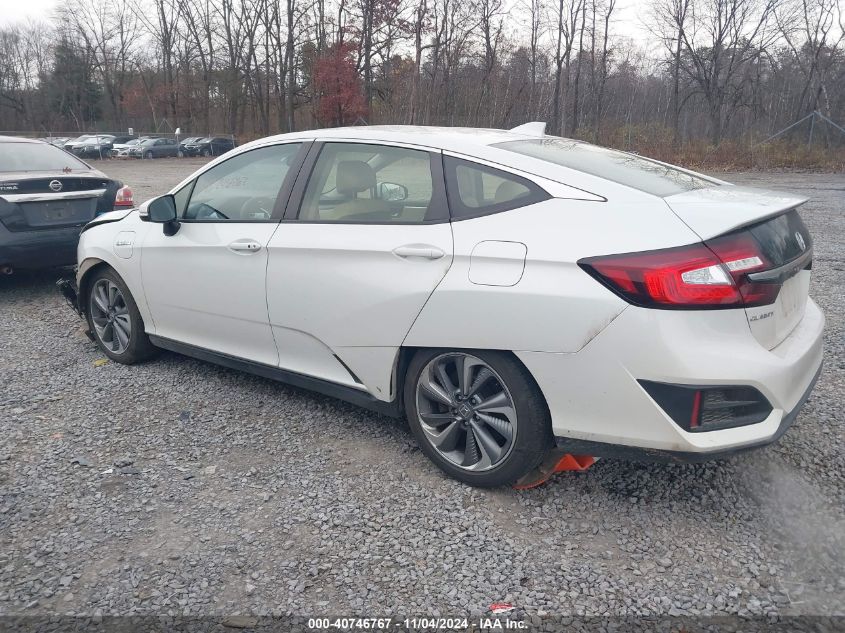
(69, 290)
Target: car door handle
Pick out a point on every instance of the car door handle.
(424, 251)
(245, 246)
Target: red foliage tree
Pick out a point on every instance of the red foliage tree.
(337, 86)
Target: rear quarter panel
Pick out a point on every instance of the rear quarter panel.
(554, 306)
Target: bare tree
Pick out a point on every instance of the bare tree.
(668, 22)
(725, 39)
(814, 31)
(567, 18)
(490, 14)
(163, 26)
(602, 66)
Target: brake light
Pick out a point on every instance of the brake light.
(741, 256)
(123, 197)
(698, 276)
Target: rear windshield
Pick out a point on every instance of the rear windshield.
(621, 167)
(36, 157)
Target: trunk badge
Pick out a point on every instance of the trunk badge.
(55, 185)
(800, 239)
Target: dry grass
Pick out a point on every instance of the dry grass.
(730, 155)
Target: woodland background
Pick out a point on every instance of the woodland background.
(715, 79)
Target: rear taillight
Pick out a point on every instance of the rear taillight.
(741, 255)
(698, 276)
(123, 197)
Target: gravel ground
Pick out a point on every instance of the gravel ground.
(177, 487)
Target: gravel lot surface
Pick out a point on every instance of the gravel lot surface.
(177, 487)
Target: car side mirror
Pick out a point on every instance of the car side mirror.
(392, 192)
(163, 211)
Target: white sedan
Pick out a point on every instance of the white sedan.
(518, 297)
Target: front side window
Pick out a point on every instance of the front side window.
(244, 188)
(476, 189)
(356, 182)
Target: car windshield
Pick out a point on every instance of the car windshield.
(624, 168)
(36, 157)
(96, 140)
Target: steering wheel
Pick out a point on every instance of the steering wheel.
(260, 208)
(207, 212)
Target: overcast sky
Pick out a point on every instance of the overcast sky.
(627, 19)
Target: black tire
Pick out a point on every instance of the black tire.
(180, 154)
(149, 155)
(206, 152)
(139, 347)
(533, 438)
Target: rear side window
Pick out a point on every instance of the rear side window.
(475, 190)
(634, 171)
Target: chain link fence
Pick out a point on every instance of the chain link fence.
(181, 147)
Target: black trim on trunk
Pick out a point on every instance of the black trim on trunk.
(334, 390)
(782, 273)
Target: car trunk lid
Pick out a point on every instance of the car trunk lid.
(773, 222)
(36, 201)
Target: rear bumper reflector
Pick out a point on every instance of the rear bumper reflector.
(698, 409)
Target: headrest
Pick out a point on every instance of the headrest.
(509, 190)
(354, 176)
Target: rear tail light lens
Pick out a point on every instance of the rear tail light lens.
(699, 409)
(123, 197)
(699, 276)
(741, 255)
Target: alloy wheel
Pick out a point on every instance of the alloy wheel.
(466, 412)
(110, 316)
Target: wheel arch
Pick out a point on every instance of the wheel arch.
(84, 274)
(407, 353)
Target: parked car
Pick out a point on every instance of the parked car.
(53, 140)
(520, 298)
(154, 148)
(122, 149)
(46, 196)
(98, 146)
(57, 141)
(71, 143)
(119, 140)
(209, 146)
(190, 140)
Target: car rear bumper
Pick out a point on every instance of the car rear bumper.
(640, 454)
(46, 248)
(598, 407)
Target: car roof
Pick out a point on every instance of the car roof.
(447, 138)
(19, 139)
